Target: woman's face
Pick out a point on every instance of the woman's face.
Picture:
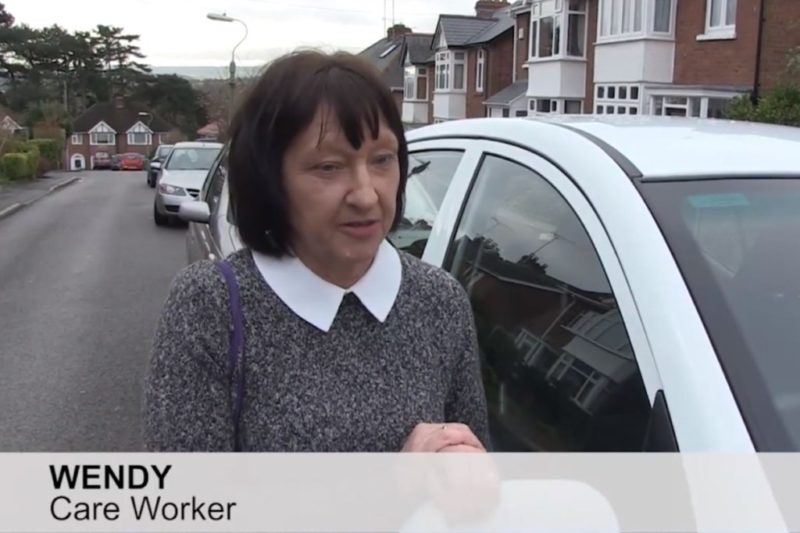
(342, 201)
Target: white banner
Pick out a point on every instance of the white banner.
(402, 492)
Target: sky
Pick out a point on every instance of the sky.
(177, 32)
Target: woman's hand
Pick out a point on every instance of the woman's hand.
(434, 438)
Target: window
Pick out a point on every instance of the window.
(479, 71)
(617, 99)
(102, 138)
(720, 16)
(459, 69)
(662, 16)
(576, 28)
(410, 88)
(139, 138)
(429, 177)
(214, 194)
(506, 112)
(77, 138)
(388, 51)
(546, 105)
(558, 367)
(630, 18)
(573, 107)
(689, 106)
(521, 33)
(549, 20)
(520, 113)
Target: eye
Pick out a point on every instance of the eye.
(384, 160)
(328, 167)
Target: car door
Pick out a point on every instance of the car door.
(564, 358)
(203, 239)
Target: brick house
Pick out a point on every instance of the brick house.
(386, 55)
(473, 60)
(113, 128)
(658, 57)
(418, 67)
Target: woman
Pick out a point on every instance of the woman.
(344, 343)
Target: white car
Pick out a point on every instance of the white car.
(182, 177)
(635, 281)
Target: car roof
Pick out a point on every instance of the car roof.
(650, 147)
(196, 144)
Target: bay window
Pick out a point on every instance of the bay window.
(450, 71)
(553, 21)
(619, 19)
(410, 90)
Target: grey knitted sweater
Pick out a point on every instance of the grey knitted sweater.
(362, 386)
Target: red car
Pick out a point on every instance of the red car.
(131, 161)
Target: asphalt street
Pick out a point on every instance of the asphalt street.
(83, 275)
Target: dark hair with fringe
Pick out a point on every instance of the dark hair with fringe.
(280, 106)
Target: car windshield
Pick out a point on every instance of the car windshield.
(737, 242)
(162, 152)
(192, 158)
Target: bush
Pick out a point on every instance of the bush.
(779, 106)
(17, 166)
(49, 150)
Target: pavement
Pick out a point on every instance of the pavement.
(84, 272)
(19, 195)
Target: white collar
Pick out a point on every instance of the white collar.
(317, 301)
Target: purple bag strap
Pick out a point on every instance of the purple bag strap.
(236, 348)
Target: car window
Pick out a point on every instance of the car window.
(429, 176)
(557, 363)
(192, 158)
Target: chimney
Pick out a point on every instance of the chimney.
(486, 9)
(396, 31)
(119, 102)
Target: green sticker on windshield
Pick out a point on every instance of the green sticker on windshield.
(705, 201)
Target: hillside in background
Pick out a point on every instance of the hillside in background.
(207, 73)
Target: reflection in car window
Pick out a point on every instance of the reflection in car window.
(429, 176)
(558, 366)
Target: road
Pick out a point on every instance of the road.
(83, 275)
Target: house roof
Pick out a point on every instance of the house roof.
(419, 48)
(460, 29)
(492, 32)
(466, 30)
(509, 94)
(121, 119)
(385, 55)
(6, 112)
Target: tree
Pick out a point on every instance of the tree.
(174, 99)
(118, 53)
(6, 18)
(778, 106)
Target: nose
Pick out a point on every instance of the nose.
(362, 194)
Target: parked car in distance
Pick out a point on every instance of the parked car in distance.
(154, 166)
(101, 161)
(182, 176)
(116, 162)
(634, 280)
(132, 161)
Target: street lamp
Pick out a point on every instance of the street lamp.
(222, 17)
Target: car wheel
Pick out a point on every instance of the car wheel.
(160, 220)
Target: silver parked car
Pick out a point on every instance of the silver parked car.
(154, 166)
(182, 177)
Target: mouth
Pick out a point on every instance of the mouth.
(361, 228)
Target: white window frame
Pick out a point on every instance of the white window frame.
(412, 75)
(101, 128)
(622, 14)
(561, 25)
(480, 70)
(703, 96)
(446, 71)
(617, 105)
(77, 139)
(132, 138)
(724, 31)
